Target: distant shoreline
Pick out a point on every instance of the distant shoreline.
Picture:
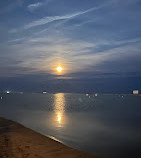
(17, 141)
(90, 93)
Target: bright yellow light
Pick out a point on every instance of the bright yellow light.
(59, 117)
(59, 69)
(59, 109)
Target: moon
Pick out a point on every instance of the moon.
(59, 69)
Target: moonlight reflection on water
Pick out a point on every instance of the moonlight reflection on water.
(59, 109)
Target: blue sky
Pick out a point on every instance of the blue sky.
(90, 39)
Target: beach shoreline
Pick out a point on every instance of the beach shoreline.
(17, 141)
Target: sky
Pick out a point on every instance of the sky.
(96, 42)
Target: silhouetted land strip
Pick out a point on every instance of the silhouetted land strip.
(17, 141)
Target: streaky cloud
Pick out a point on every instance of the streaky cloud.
(50, 19)
(34, 6)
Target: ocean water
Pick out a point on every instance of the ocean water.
(105, 125)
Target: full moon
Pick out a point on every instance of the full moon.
(59, 69)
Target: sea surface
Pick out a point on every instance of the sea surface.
(105, 125)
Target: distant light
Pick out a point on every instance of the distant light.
(7, 92)
(135, 91)
(87, 95)
(96, 94)
(44, 92)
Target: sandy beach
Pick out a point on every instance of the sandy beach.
(17, 141)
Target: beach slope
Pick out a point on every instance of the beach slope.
(17, 141)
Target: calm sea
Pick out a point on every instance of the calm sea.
(103, 125)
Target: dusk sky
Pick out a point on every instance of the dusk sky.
(96, 42)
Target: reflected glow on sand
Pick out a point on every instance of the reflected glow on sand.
(59, 109)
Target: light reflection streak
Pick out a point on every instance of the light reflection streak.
(59, 109)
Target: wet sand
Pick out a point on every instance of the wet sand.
(17, 141)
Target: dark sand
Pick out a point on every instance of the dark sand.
(17, 141)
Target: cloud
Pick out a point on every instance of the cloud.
(47, 20)
(34, 6)
(43, 53)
